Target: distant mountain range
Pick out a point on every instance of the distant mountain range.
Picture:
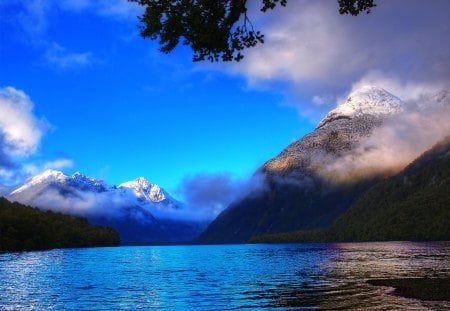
(142, 212)
(319, 177)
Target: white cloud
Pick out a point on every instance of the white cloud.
(319, 53)
(400, 140)
(32, 20)
(302, 42)
(21, 131)
(20, 136)
(58, 164)
(58, 56)
(206, 195)
(83, 203)
(109, 8)
(407, 90)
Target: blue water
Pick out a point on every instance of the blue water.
(231, 277)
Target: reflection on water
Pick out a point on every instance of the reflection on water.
(297, 276)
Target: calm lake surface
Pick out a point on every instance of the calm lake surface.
(230, 277)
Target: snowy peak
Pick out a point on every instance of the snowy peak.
(85, 183)
(46, 177)
(367, 100)
(49, 175)
(145, 190)
(76, 181)
(82, 190)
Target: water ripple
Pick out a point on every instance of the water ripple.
(232, 277)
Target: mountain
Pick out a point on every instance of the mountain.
(142, 212)
(145, 190)
(413, 205)
(315, 179)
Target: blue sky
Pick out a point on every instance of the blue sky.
(105, 102)
(118, 109)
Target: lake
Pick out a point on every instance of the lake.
(219, 277)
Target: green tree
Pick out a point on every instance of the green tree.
(214, 29)
(26, 228)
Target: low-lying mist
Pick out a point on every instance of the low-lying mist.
(398, 141)
(206, 195)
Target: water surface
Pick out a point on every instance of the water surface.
(222, 277)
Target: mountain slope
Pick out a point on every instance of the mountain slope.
(306, 188)
(413, 205)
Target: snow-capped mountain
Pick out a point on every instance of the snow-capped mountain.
(312, 181)
(367, 100)
(339, 133)
(144, 190)
(142, 212)
(85, 183)
(46, 177)
(140, 191)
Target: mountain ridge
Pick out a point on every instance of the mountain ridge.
(142, 212)
(316, 178)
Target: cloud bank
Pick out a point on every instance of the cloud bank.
(398, 141)
(88, 204)
(206, 195)
(318, 53)
(21, 132)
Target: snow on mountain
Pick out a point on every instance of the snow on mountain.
(142, 212)
(145, 190)
(51, 185)
(367, 100)
(46, 177)
(338, 135)
(370, 135)
(85, 183)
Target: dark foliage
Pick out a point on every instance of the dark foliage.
(308, 236)
(413, 205)
(282, 208)
(215, 30)
(26, 228)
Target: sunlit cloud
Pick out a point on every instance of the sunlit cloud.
(20, 129)
(58, 164)
(397, 142)
(21, 132)
(319, 54)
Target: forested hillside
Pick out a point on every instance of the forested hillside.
(412, 205)
(26, 228)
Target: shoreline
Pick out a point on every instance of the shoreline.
(427, 289)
